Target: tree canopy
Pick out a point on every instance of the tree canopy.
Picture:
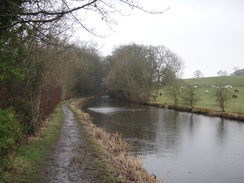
(136, 70)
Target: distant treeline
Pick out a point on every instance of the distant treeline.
(238, 72)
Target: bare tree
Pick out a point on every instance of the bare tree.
(174, 91)
(41, 12)
(42, 19)
(198, 74)
(137, 70)
(131, 74)
(223, 97)
(222, 73)
(189, 96)
(168, 65)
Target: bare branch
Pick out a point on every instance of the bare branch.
(134, 5)
(78, 21)
(60, 12)
(45, 11)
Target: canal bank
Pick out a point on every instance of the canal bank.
(203, 111)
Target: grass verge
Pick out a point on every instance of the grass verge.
(25, 164)
(112, 161)
(204, 111)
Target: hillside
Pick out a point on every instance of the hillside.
(235, 81)
(208, 100)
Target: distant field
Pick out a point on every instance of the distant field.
(235, 81)
(208, 101)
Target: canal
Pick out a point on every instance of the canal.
(177, 146)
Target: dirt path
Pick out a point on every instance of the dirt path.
(70, 160)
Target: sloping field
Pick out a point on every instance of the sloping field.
(235, 81)
(208, 100)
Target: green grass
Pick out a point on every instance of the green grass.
(208, 101)
(235, 81)
(29, 158)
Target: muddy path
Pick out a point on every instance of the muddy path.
(70, 160)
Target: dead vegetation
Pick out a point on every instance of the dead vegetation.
(116, 164)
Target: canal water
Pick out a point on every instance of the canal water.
(177, 146)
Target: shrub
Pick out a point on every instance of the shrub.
(24, 113)
(223, 97)
(10, 132)
(189, 96)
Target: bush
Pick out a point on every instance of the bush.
(10, 132)
(24, 114)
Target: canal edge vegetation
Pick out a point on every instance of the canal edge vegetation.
(24, 164)
(112, 160)
(203, 111)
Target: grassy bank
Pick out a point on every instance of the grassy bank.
(24, 165)
(206, 103)
(113, 162)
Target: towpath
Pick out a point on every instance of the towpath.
(70, 161)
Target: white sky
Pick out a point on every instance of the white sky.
(207, 34)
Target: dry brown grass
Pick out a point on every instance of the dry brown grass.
(130, 168)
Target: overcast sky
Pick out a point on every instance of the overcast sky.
(207, 34)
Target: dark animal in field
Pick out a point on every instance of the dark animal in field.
(160, 94)
(234, 96)
(236, 90)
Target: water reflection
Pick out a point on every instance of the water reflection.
(193, 148)
(106, 110)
